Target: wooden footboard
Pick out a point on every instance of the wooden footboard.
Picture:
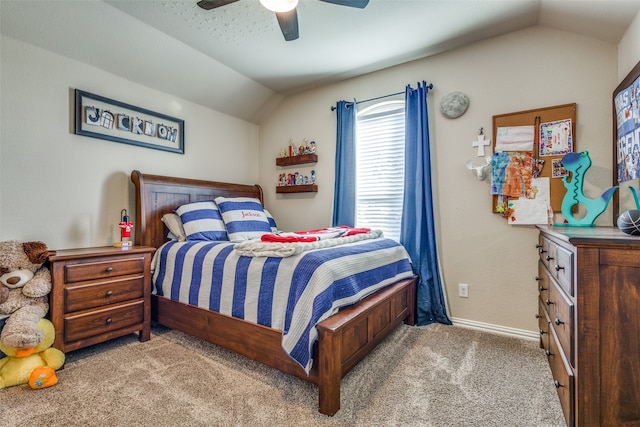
(343, 339)
(348, 336)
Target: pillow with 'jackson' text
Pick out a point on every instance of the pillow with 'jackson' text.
(243, 217)
(202, 221)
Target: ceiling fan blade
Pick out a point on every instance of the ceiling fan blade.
(360, 4)
(288, 24)
(212, 4)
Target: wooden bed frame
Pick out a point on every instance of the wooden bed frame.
(343, 339)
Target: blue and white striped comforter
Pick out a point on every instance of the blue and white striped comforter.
(290, 294)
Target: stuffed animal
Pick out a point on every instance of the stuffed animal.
(22, 271)
(35, 366)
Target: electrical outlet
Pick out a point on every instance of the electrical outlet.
(463, 290)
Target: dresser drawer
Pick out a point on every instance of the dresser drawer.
(563, 269)
(543, 282)
(561, 312)
(543, 250)
(96, 322)
(563, 379)
(84, 296)
(102, 268)
(543, 325)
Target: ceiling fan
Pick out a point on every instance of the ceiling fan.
(285, 11)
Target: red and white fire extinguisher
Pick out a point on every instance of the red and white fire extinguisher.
(125, 229)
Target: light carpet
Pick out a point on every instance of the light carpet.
(435, 375)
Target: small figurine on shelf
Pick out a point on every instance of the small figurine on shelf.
(283, 153)
(312, 147)
(306, 180)
(301, 150)
(292, 148)
(313, 176)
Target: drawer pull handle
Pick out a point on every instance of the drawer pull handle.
(548, 302)
(537, 316)
(558, 268)
(108, 321)
(109, 269)
(549, 258)
(542, 288)
(538, 278)
(557, 384)
(548, 353)
(558, 322)
(538, 246)
(542, 251)
(542, 332)
(109, 293)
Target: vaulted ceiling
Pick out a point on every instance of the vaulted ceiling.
(234, 59)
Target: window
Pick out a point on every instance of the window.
(380, 167)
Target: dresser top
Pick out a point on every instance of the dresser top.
(591, 235)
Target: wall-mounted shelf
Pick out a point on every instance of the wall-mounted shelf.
(296, 160)
(312, 188)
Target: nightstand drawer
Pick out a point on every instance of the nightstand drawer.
(103, 268)
(91, 295)
(95, 322)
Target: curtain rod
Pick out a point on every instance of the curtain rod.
(333, 108)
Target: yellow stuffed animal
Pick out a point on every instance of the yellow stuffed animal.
(36, 365)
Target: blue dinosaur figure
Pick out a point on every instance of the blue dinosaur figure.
(577, 164)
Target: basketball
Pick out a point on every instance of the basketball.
(629, 222)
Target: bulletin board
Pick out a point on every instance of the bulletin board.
(543, 120)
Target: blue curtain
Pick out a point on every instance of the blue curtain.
(417, 232)
(344, 192)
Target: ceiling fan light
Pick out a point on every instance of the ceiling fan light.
(279, 5)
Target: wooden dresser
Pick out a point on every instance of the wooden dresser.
(589, 318)
(99, 294)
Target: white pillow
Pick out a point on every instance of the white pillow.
(201, 221)
(173, 223)
(272, 221)
(243, 217)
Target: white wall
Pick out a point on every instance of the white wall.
(537, 67)
(629, 48)
(67, 190)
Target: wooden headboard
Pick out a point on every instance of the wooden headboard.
(157, 195)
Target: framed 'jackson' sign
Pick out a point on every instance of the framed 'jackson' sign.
(104, 118)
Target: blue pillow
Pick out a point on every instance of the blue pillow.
(202, 221)
(243, 217)
(272, 221)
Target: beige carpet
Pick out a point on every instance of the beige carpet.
(420, 376)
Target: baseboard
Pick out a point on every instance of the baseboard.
(496, 329)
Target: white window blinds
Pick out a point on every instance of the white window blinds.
(380, 167)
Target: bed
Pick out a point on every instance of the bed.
(343, 339)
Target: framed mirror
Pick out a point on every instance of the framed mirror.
(626, 143)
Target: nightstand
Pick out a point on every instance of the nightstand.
(99, 294)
